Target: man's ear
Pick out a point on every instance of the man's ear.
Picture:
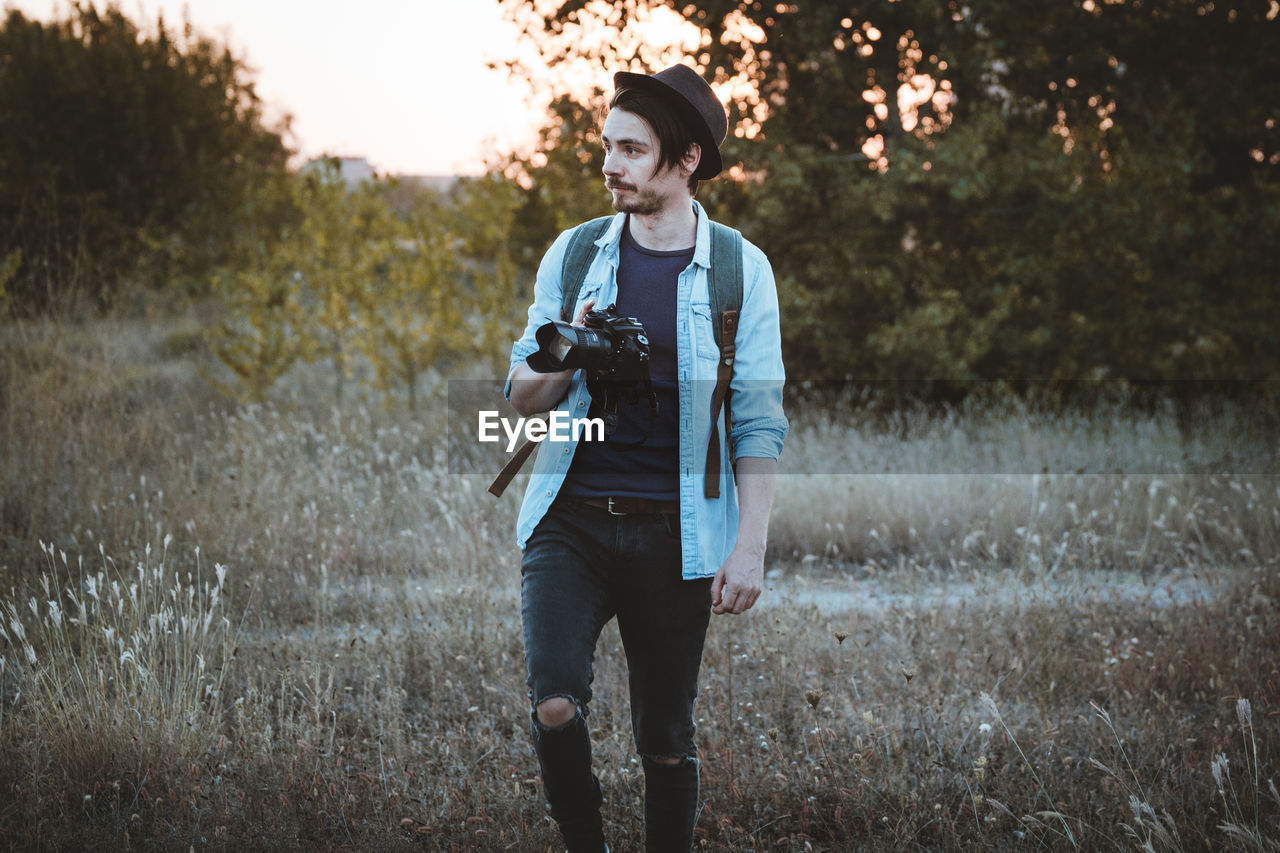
(692, 157)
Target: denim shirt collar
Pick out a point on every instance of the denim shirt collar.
(611, 239)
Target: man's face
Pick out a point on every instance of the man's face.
(631, 167)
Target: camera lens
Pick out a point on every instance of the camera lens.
(560, 346)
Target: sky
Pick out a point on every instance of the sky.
(400, 82)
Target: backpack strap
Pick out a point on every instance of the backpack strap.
(513, 466)
(725, 286)
(573, 271)
(577, 260)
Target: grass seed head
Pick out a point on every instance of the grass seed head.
(1221, 772)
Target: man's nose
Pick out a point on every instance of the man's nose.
(611, 164)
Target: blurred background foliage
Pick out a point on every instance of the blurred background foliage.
(992, 190)
(126, 153)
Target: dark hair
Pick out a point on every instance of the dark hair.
(674, 136)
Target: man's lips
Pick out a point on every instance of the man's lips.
(609, 186)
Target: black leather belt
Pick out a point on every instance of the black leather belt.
(634, 506)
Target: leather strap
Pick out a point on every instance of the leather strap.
(508, 472)
(726, 300)
(634, 506)
(720, 397)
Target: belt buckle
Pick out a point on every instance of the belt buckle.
(611, 510)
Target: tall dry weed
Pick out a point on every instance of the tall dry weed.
(355, 676)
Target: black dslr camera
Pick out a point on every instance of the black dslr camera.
(613, 351)
(611, 347)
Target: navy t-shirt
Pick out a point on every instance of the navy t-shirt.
(646, 291)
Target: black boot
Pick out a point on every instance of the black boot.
(572, 791)
(670, 805)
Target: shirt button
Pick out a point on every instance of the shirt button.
(566, 450)
(548, 493)
(581, 404)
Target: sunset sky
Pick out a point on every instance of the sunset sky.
(401, 83)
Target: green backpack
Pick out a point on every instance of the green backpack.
(725, 286)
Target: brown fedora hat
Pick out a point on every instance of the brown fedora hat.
(698, 107)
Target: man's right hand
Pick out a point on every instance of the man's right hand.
(582, 315)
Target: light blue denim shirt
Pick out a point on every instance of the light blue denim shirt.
(708, 528)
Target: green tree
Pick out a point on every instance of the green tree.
(265, 330)
(352, 282)
(414, 317)
(485, 215)
(339, 252)
(125, 152)
(305, 296)
(267, 315)
(992, 189)
(562, 179)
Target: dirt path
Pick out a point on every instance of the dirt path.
(995, 590)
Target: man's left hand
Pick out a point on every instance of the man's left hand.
(738, 583)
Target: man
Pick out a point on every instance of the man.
(624, 527)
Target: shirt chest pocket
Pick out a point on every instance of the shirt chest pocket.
(704, 336)
(590, 292)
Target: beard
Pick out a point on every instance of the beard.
(634, 201)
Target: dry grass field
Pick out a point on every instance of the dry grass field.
(292, 626)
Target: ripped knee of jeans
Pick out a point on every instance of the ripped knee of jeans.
(557, 712)
(672, 760)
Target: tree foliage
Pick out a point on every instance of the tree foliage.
(125, 152)
(561, 178)
(992, 189)
(371, 292)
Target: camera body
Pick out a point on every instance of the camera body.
(624, 356)
(613, 351)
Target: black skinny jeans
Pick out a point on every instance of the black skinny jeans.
(582, 567)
